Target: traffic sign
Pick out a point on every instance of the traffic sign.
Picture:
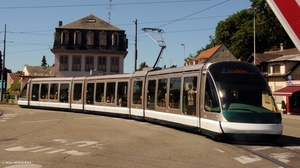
(288, 13)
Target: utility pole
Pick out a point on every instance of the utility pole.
(135, 43)
(3, 66)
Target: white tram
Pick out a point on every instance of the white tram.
(228, 99)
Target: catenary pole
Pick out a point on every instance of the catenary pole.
(3, 66)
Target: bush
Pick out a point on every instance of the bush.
(283, 106)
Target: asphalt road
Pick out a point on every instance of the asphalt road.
(43, 138)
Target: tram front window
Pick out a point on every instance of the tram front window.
(242, 89)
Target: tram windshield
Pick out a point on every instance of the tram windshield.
(242, 89)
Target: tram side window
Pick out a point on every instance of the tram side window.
(110, 92)
(137, 92)
(77, 92)
(90, 93)
(161, 92)
(24, 92)
(100, 92)
(151, 94)
(122, 94)
(44, 91)
(64, 92)
(174, 95)
(35, 92)
(211, 102)
(53, 91)
(189, 97)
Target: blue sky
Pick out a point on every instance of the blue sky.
(30, 26)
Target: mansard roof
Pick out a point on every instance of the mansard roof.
(90, 22)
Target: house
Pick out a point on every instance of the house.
(11, 78)
(282, 72)
(35, 72)
(89, 46)
(284, 81)
(219, 52)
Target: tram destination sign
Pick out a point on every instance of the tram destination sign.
(288, 13)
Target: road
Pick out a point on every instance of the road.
(43, 138)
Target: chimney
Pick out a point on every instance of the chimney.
(60, 23)
(281, 46)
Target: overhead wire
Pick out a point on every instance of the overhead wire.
(128, 3)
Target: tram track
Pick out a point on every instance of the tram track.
(275, 153)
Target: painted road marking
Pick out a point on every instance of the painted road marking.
(21, 148)
(40, 150)
(40, 121)
(292, 147)
(51, 150)
(76, 153)
(248, 159)
(84, 143)
(283, 157)
(25, 166)
(256, 148)
(6, 117)
(219, 150)
(56, 151)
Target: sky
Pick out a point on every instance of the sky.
(186, 25)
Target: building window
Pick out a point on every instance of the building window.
(101, 64)
(115, 39)
(114, 64)
(63, 62)
(77, 37)
(102, 38)
(89, 63)
(76, 66)
(64, 37)
(90, 38)
(276, 69)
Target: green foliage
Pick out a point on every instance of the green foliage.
(237, 31)
(15, 86)
(283, 106)
(142, 65)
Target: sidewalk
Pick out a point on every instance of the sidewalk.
(291, 116)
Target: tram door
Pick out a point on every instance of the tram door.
(137, 96)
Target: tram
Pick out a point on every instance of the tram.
(223, 100)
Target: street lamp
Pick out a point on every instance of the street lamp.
(254, 45)
(183, 52)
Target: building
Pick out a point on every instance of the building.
(11, 78)
(284, 80)
(219, 52)
(282, 72)
(89, 46)
(35, 72)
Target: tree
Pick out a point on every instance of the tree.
(236, 32)
(142, 65)
(44, 61)
(15, 86)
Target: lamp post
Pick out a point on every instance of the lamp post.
(254, 41)
(183, 53)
